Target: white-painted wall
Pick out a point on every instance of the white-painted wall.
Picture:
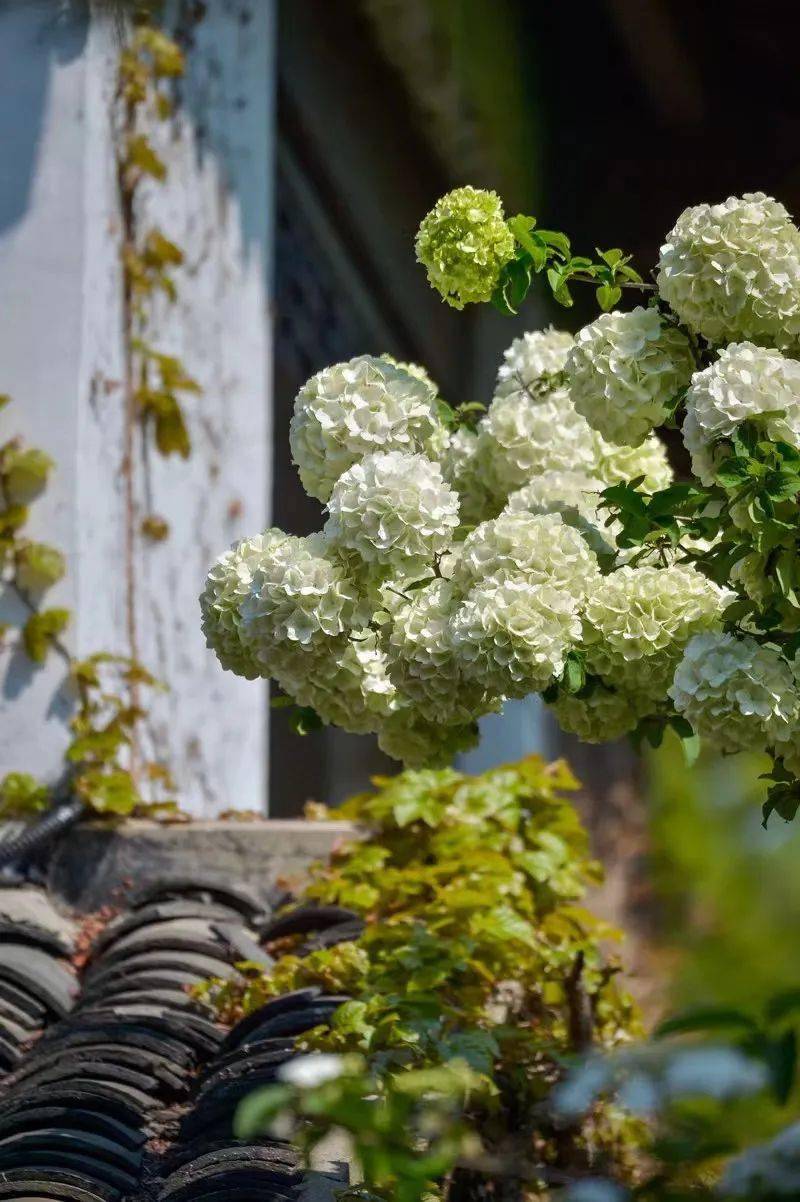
(61, 358)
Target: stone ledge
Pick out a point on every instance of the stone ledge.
(94, 862)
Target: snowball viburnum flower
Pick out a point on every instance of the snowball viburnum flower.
(463, 466)
(731, 271)
(637, 621)
(537, 549)
(351, 409)
(736, 692)
(393, 508)
(299, 593)
(512, 637)
(345, 680)
(623, 371)
(414, 369)
(615, 463)
(420, 743)
(746, 383)
(535, 358)
(464, 243)
(523, 435)
(601, 716)
(575, 496)
(317, 1068)
(227, 585)
(422, 659)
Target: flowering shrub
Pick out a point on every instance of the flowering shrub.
(477, 973)
(542, 545)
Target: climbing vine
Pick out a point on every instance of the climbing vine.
(102, 765)
(156, 383)
(104, 722)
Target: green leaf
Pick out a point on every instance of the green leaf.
(142, 156)
(38, 566)
(513, 285)
(520, 227)
(650, 730)
(559, 242)
(476, 1047)
(41, 630)
(504, 924)
(98, 745)
(304, 719)
(611, 257)
(608, 296)
(574, 675)
(737, 610)
(155, 528)
(516, 283)
(172, 436)
(783, 800)
(623, 271)
(258, 1110)
(108, 792)
(13, 519)
(21, 796)
(160, 252)
(782, 485)
(785, 572)
(25, 473)
(625, 499)
(733, 471)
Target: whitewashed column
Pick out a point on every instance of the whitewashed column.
(62, 359)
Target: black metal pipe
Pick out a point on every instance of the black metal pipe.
(36, 837)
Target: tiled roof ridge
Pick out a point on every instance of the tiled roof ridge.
(128, 1089)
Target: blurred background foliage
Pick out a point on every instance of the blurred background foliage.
(726, 891)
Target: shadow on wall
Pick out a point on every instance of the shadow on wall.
(36, 35)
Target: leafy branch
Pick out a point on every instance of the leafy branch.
(549, 252)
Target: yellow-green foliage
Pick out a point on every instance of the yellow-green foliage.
(477, 946)
(106, 687)
(147, 65)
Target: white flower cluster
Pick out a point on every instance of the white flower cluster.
(431, 595)
(731, 271)
(736, 692)
(746, 383)
(533, 432)
(536, 357)
(636, 623)
(572, 416)
(623, 371)
(352, 408)
(459, 569)
(456, 571)
(393, 508)
(227, 588)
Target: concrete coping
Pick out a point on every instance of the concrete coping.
(94, 864)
